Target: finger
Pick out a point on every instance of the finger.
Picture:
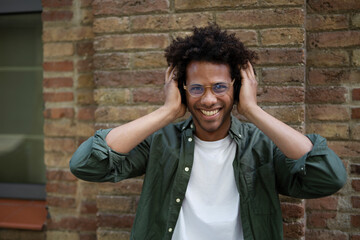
(251, 70)
(244, 73)
(169, 70)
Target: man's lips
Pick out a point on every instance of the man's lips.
(210, 112)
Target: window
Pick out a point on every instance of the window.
(22, 169)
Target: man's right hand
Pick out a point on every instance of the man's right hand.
(172, 95)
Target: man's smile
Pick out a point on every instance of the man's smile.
(210, 113)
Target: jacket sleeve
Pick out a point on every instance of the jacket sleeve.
(95, 161)
(318, 173)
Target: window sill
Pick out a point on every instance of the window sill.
(22, 214)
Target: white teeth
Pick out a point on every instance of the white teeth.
(209, 113)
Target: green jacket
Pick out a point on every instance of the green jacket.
(261, 173)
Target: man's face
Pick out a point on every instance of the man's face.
(211, 113)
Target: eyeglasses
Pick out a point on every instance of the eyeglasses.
(218, 89)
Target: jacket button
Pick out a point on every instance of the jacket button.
(187, 169)
(170, 230)
(178, 200)
(190, 139)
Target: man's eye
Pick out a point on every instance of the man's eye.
(196, 88)
(220, 86)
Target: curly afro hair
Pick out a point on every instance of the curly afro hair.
(209, 44)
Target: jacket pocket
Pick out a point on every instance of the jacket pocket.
(264, 196)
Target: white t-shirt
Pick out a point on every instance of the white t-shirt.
(210, 209)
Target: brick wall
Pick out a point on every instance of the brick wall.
(332, 103)
(104, 66)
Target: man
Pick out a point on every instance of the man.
(211, 176)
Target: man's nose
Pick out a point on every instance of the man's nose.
(209, 98)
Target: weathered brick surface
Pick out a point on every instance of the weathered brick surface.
(113, 7)
(104, 65)
(261, 17)
(130, 42)
(56, 113)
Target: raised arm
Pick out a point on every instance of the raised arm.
(125, 137)
(292, 143)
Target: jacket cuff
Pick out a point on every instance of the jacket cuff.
(319, 148)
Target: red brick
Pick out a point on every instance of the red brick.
(332, 76)
(355, 220)
(326, 22)
(61, 187)
(88, 236)
(57, 82)
(84, 65)
(58, 96)
(281, 94)
(325, 6)
(56, 3)
(326, 95)
(286, 75)
(328, 113)
(73, 223)
(86, 3)
(62, 202)
(355, 169)
(356, 94)
(326, 203)
(86, 113)
(345, 149)
(261, 17)
(319, 219)
(149, 95)
(115, 220)
(59, 175)
(57, 15)
(64, 66)
(111, 61)
(355, 113)
(334, 39)
(294, 230)
(291, 210)
(328, 58)
(355, 237)
(56, 113)
(355, 201)
(113, 7)
(312, 234)
(280, 56)
(85, 49)
(355, 183)
(88, 207)
(129, 79)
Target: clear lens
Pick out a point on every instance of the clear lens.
(197, 90)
